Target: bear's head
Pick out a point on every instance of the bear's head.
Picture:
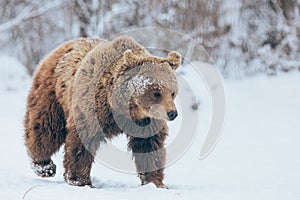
(147, 86)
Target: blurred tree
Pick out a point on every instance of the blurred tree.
(289, 9)
(244, 37)
(26, 27)
(83, 11)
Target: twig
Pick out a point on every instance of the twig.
(30, 190)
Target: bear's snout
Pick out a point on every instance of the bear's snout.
(172, 114)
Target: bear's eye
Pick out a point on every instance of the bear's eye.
(173, 94)
(157, 94)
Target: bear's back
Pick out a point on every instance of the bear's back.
(68, 65)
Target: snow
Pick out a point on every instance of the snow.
(258, 156)
(12, 74)
(140, 83)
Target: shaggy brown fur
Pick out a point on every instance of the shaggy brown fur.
(83, 94)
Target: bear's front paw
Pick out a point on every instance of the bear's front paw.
(157, 182)
(72, 180)
(160, 185)
(44, 169)
(80, 183)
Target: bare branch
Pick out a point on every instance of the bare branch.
(28, 13)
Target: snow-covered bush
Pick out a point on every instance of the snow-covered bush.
(259, 38)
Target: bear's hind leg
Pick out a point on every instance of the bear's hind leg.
(45, 132)
(78, 159)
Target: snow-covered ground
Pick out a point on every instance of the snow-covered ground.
(258, 156)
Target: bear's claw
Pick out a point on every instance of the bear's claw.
(44, 169)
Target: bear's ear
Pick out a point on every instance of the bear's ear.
(174, 59)
(130, 57)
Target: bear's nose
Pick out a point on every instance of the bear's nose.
(172, 114)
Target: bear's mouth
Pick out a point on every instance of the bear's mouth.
(143, 122)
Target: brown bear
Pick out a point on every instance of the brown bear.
(89, 90)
